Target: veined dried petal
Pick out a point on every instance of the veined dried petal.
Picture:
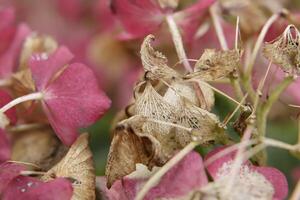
(153, 105)
(285, 51)
(214, 64)
(23, 83)
(77, 166)
(205, 125)
(126, 150)
(155, 63)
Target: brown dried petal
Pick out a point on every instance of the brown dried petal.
(78, 167)
(168, 3)
(126, 150)
(39, 146)
(214, 64)
(154, 62)
(23, 83)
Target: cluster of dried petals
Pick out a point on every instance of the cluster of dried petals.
(284, 51)
(163, 119)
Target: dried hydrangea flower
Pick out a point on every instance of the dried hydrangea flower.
(5, 146)
(285, 51)
(155, 63)
(8, 171)
(76, 166)
(214, 65)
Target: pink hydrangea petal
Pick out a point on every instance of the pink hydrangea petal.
(11, 113)
(105, 15)
(7, 16)
(9, 58)
(139, 18)
(114, 193)
(73, 100)
(213, 167)
(5, 151)
(43, 69)
(25, 188)
(72, 9)
(186, 176)
(277, 179)
(8, 171)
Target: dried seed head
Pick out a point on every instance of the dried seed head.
(248, 185)
(77, 166)
(155, 63)
(285, 51)
(214, 64)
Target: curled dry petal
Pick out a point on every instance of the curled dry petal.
(126, 150)
(154, 62)
(214, 64)
(77, 167)
(5, 146)
(24, 188)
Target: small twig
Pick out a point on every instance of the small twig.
(296, 192)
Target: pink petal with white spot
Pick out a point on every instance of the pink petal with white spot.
(73, 100)
(182, 179)
(43, 68)
(277, 179)
(274, 176)
(139, 18)
(8, 171)
(25, 188)
(11, 113)
(5, 151)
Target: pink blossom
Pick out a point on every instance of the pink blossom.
(272, 175)
(8, 171)
(72, 98)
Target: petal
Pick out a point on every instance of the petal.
(214, 166)
(277, 179)
(74, 101)
(186, 176)
(8, 171)
(43, 68)
(139, 18)
(23, 188)
(5, 151)
(9, 58)
(11, 113)
(191, 18)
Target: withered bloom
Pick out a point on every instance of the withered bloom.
(214, 64)
(285, 51)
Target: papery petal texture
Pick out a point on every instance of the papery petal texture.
(8, 171)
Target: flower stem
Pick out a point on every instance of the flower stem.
(162, 171)
(28, 97)
(177, 40)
